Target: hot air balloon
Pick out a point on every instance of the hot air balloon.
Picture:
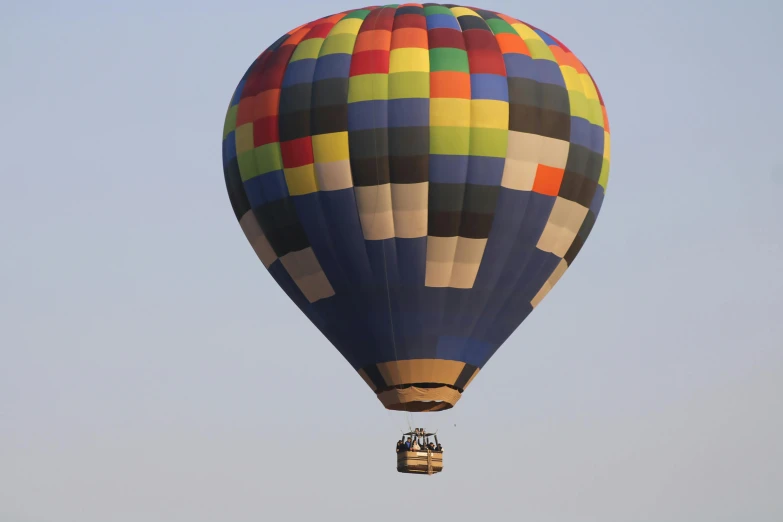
(416, 178)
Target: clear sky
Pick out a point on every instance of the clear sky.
(145, 353)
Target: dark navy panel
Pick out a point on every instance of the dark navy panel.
(485, 170)
(598, 200)
(346, 326)
(448, 169)
(442, 21)
(508, 306)
(311, 216)
(516, 211)
(587, 135)
(229, 147)
(266, 188)
(368, 115)
(489, 87)
(382, 255)
(340, 215)
(523, 66)
(412, 255)
(332, 66)
(409, 112)
(300, 71)
(471, 351)
(235, 189)
(520, 218)
(518, 65)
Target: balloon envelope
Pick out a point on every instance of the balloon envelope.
(416, 179)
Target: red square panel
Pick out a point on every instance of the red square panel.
(297, 153)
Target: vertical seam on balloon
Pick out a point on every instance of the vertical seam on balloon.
(306, 29)
(352, 188)
(354, 303)
(312, 148)
(515, 288)
(377, 192)
(301, 28)
(370, 9)
(442, 292)
(467, 174)
(583, 180)
(582, 164)
(467, 167)
(537, 273)
(476, 318)
(374, 133)
(463, 348)
(237, 95)
(582, 88)
(499, 188)
(527, 288)
(591, 145)
(607, 138)
(375, 148)
(427, 210)
(507, 129)
(393, 239)
(477, 332)
(259, 63)
(357, 303)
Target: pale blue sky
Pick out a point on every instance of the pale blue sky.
(145, 351)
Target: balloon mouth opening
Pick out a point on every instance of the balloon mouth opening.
(420, 406)
(422, 397)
